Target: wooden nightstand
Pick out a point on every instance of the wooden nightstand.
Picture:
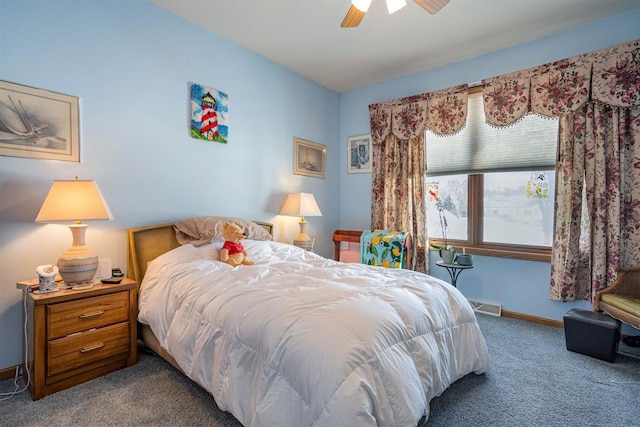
(76, 336)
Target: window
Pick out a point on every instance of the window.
(492, 189)
(447, 202)
(518, 208)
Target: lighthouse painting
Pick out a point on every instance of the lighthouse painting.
(209, 114)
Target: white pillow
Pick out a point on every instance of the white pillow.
(201, 230)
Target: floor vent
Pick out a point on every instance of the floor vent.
(486, 308)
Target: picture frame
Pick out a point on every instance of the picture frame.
(359, 154)
(38, 124)
(309, 158)
(209, 114)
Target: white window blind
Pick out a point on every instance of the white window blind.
(530, 144)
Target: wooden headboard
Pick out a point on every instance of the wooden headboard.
(148, 243)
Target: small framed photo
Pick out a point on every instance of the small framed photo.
(359, 154)
(309, 158)
(38, 124)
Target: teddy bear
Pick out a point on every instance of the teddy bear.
(233, 253)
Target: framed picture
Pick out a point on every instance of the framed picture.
(359, 154)
(209, 114)
(38, 124)
(308, 158)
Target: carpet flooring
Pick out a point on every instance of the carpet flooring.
(533, 381)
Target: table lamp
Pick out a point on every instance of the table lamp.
(301, 204)
(75, 201)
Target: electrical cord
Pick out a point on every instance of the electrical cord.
(625, 382)
(17, 390)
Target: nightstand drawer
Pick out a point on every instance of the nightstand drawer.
(77, 316)
(85, 347)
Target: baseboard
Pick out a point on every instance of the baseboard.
(534, 319)
(540, 320)
(8, 373)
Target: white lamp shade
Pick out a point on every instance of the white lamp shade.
(74, 201)
(300, 204)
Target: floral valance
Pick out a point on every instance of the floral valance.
(443, 112)
(610, 76)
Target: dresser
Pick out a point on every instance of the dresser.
(77, 335)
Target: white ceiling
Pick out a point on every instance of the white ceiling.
(305, 35)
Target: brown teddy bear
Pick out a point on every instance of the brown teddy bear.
(233, 253)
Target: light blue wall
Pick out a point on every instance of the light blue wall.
(131, 64)
(520, 286)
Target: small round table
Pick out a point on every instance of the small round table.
(454, 270)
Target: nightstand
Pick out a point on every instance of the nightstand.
(78, 335)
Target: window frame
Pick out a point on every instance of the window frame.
(475, 245)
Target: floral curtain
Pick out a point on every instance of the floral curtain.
(397, 134)
(597, 97)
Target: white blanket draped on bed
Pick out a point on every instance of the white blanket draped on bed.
(300, 340)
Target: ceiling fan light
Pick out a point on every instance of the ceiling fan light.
(362, 5)
(395, 5)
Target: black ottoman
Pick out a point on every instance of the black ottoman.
(592, 333)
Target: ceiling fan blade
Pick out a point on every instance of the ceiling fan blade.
(353, 17)
(432, 6)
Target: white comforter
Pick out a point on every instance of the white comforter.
(300, 340)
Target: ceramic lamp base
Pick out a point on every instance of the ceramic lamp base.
(302, 240)
(78, 264)
(77, 270)
(306, 244)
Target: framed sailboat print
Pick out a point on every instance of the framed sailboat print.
(308, 158)
(38, 124)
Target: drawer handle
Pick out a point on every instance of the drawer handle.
(90, 315)
(92, 348)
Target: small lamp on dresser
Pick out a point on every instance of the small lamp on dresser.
(301, 204)
(75, 200)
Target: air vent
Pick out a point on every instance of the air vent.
(486, 308)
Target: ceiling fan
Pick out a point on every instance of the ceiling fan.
(359, 8)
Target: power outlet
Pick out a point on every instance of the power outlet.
(18, 371)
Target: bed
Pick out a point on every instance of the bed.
(298, 339)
